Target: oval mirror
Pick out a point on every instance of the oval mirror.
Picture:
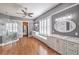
(64, 26)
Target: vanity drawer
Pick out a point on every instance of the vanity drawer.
(72, 45)
(71, 52)
(72, 48)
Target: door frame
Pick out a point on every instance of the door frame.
(27, 28)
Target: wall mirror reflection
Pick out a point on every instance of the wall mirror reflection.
(64, 26)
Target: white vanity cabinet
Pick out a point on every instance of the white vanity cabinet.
(62, 46)
(53, 43)
(50, 42)
(72, 48)
(78, 50)
(57, 44)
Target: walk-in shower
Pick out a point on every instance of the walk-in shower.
(8, 32)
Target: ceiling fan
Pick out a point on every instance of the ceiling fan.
(25, 13)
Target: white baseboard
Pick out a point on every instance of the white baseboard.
(9, 42)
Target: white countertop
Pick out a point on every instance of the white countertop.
(68, 38)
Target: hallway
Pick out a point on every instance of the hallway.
(27, 46)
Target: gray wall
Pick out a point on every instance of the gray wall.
(30, 27)
(58, 8)
(53, 10)
(4, 19)
(74, 11)
(3, 16)
(20, 29)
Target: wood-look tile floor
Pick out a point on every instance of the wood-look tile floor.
(27, 46)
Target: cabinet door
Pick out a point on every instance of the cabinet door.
(71, 48)
(71, 52)
(62, 46)
(78, 50)
(50, 42)
(56, 44)
(53, 43)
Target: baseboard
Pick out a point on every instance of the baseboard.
(3, 44)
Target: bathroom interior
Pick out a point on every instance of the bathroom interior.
(54, 25)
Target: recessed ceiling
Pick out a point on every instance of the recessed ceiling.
(36, 8)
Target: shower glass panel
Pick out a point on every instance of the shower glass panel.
(10, 32)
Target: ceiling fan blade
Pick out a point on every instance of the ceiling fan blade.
(24, 12)
(30, 14)
(19, 13)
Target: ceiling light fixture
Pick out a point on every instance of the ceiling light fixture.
(24, 13)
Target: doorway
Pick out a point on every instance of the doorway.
(25, 29)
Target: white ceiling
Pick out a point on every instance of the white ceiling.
(36, 8)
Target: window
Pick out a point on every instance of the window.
(44, 26)
(48, 26)
(11, 27)
(41, 27)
